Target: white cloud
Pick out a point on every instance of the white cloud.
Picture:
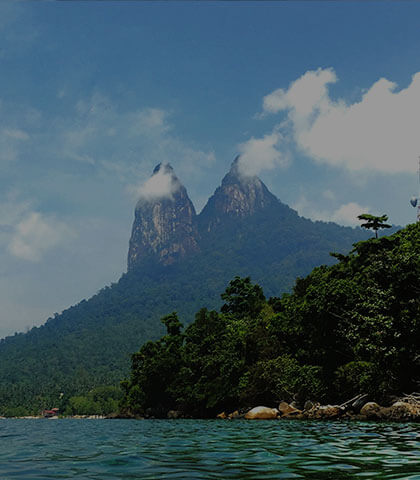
(36, 234)
(28, 234)
(259, 154)
(304, 96)
(345, 214)
(161, 184)
(380, 132)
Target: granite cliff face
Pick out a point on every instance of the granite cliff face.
(238, 196)
(165, 225)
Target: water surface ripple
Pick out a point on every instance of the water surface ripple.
(207, 449)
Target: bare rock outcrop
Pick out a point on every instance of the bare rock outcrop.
(262, 413)
(238, 196)
(371, 410)
(287, 410)
(165, 224)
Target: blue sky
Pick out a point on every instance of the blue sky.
(321, 99)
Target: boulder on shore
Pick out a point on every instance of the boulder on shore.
(262, 413)
(371, 410)
(398, 412)
(234, 415)
(287, 410)
(404, 411)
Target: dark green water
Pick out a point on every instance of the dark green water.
(188, 449)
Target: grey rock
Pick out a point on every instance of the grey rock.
(262, 413)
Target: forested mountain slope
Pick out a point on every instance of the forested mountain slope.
(178, 261)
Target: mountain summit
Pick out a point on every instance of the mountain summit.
(238, 196)
(164, 227)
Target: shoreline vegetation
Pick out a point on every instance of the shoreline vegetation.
(345, 329)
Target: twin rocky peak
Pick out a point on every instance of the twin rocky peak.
(166, 227)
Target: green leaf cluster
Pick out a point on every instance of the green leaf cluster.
(221, 361)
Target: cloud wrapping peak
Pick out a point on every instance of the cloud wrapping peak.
(162, 184)
(380, 132)
(259, 154)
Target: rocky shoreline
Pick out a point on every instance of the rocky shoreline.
(406, 409)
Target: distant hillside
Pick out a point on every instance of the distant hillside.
(177, 261)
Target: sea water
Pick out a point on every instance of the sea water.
(201, 449)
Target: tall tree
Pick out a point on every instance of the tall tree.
(373, 222)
